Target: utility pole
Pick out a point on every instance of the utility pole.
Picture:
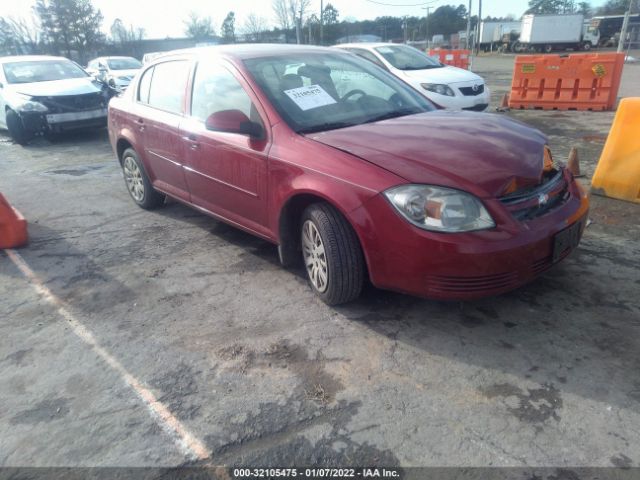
(405, 28)
(477, 48)
(426, 26)
(625, 27)
(321, 22)
(466, 40)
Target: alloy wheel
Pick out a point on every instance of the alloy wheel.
(133, 177)
(315, 258)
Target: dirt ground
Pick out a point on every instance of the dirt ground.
(259, 372)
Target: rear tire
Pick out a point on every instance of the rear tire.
(138, 183)
(548, 48)
(16, 128)
(332, 254)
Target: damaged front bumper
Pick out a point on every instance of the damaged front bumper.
(38, 123)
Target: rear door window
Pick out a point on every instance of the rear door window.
(168, 86)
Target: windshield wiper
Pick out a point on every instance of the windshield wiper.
(325, 126)
(394, 114)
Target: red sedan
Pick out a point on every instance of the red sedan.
(348, 170)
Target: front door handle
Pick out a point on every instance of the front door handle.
(192, 140)
(140, 123)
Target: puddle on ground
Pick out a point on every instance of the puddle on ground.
(75, 171)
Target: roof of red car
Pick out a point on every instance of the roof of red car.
(247, 50)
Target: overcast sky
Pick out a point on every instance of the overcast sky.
(162, 18)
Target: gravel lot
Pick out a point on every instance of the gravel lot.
(258, 371)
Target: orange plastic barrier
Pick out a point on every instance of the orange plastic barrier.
(455, 58)
(618, 172)
(13, 226)
(581, 81)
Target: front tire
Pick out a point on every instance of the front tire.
(586, 46)
(332, 255)
(138, 183)
(16, 128)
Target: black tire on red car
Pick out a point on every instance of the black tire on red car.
(16, 128)
(332, 255)
(138, 183)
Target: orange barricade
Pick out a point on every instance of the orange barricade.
(581, 81)
(13, 226)
(455, 58)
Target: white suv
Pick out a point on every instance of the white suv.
(448, 87)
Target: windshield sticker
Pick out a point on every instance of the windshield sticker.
(313, 96)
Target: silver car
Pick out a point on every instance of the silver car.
(116, 71)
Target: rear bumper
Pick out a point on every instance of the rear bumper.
(461, 266)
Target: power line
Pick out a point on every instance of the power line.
(402, 5)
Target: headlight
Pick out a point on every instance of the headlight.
(438, 88)
(23, 103)
(440, 209)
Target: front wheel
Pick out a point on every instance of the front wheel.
(138, 183)
(18, 133)
(332, 254)
(586, 46)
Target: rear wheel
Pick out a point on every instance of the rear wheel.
(548, 48)
(332, 254)
(16, 128)
(138, 183)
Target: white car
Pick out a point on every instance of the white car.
(116, 71)
(40, 95)
(448, 87)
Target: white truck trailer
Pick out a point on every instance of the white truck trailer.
(556, 32)
(487, 30)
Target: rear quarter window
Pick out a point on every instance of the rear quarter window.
(145, 83)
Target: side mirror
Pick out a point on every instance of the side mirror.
(233, 121)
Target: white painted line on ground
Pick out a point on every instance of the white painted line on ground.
(188, 444)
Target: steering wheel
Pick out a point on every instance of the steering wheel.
(352, 93)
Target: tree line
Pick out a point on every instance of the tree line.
(74, 28)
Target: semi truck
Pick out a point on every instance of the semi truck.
(546, 33)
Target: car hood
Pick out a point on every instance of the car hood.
(71, 86)
(442, 75)
(480, 153)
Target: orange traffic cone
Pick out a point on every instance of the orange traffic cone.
(573, 164)
(504, 103)
(13, 226)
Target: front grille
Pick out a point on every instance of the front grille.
(536, 201)
(453, 284)
(74, 103)
(470, 92)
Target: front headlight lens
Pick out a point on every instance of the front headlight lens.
(440, 209)
(24, 103)
(438, 88)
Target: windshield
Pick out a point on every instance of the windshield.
(407, 58)
(123, 63)
(323, 91)
(41, 71)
